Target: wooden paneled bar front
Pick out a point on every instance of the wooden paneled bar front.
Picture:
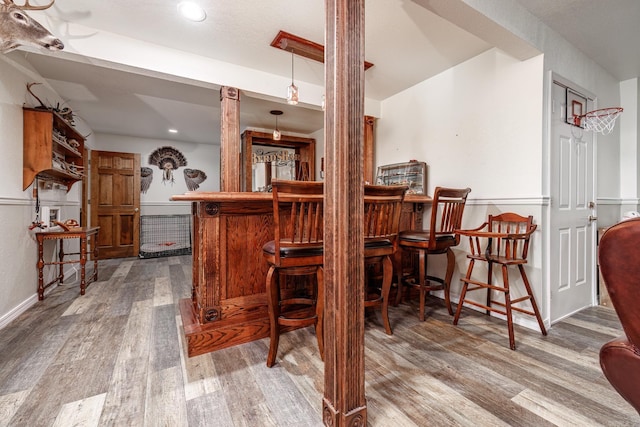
(228, 304)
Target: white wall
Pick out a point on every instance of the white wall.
(629, 139)
(478, 124)
(319, 137)
(570, 63)
(18, 254)
(205, 157)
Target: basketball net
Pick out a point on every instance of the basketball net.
(602, 121)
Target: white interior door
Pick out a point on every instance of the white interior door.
(573, 210)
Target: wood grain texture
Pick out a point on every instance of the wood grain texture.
(120, 359)
(344, 395)
(230, 170)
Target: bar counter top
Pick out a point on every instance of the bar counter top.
(203, 196)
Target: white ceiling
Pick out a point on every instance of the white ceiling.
(406, 42)
(607, 31)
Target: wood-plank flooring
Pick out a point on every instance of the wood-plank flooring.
(116, 357)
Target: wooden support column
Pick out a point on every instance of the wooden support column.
(369, 150)
(230, 156)
(344, 402)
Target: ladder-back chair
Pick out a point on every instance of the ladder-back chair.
(382, 208)
(446, 217)
(504, 241)
(297, 250)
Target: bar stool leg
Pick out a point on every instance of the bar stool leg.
(525, 279)
(398, 269)
(451, 263)
(387, 276)
(273, 295)
(320, 311)
(422, 276)
(507, 302)
(463, 292)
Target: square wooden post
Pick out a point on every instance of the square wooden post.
(344, 402)
(230, 161)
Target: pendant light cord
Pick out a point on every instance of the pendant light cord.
(291, 66)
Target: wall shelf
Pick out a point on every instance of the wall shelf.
(52, 149)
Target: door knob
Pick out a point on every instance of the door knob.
(592, 218)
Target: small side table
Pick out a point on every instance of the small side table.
(82, 233)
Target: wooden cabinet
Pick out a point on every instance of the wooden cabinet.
(52, 149)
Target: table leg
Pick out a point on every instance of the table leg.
(94, 242)
(83, 261)
(40, 273)
(61, 259)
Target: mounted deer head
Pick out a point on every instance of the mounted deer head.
(17, 28)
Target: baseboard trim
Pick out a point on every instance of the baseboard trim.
(18, 310)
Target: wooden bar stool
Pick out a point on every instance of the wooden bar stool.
(382, 208)
(502, 240)
(446, 217)
(297, 250)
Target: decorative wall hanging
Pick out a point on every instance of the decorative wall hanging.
(17, 28)
(168, 159)
(64, 112)
(193, 178)
(146, 176)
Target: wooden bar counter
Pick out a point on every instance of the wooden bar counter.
(228, 304)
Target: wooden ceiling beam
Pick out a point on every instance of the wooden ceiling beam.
(303, 47)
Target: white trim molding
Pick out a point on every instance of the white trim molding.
(529, 201)
(18, 310)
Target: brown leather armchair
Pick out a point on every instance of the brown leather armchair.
(619, 256)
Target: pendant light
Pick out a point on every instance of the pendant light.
(276, 132)
(292, 90)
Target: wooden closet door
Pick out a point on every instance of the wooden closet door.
(115, 202)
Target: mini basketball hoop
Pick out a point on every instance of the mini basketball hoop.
(603, 120)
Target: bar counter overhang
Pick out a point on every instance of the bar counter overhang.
(228, 304)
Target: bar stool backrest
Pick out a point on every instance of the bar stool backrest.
(446, 215)
(382, 209)
(298, 214)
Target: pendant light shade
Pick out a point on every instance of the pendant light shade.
(292, 90)
(276, 132)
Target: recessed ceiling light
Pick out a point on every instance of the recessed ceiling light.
(173, 130)
(192, 11)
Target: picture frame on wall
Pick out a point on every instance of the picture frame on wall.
(50, 215)
(576, 108)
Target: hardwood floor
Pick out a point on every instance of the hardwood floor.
(116, 357)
